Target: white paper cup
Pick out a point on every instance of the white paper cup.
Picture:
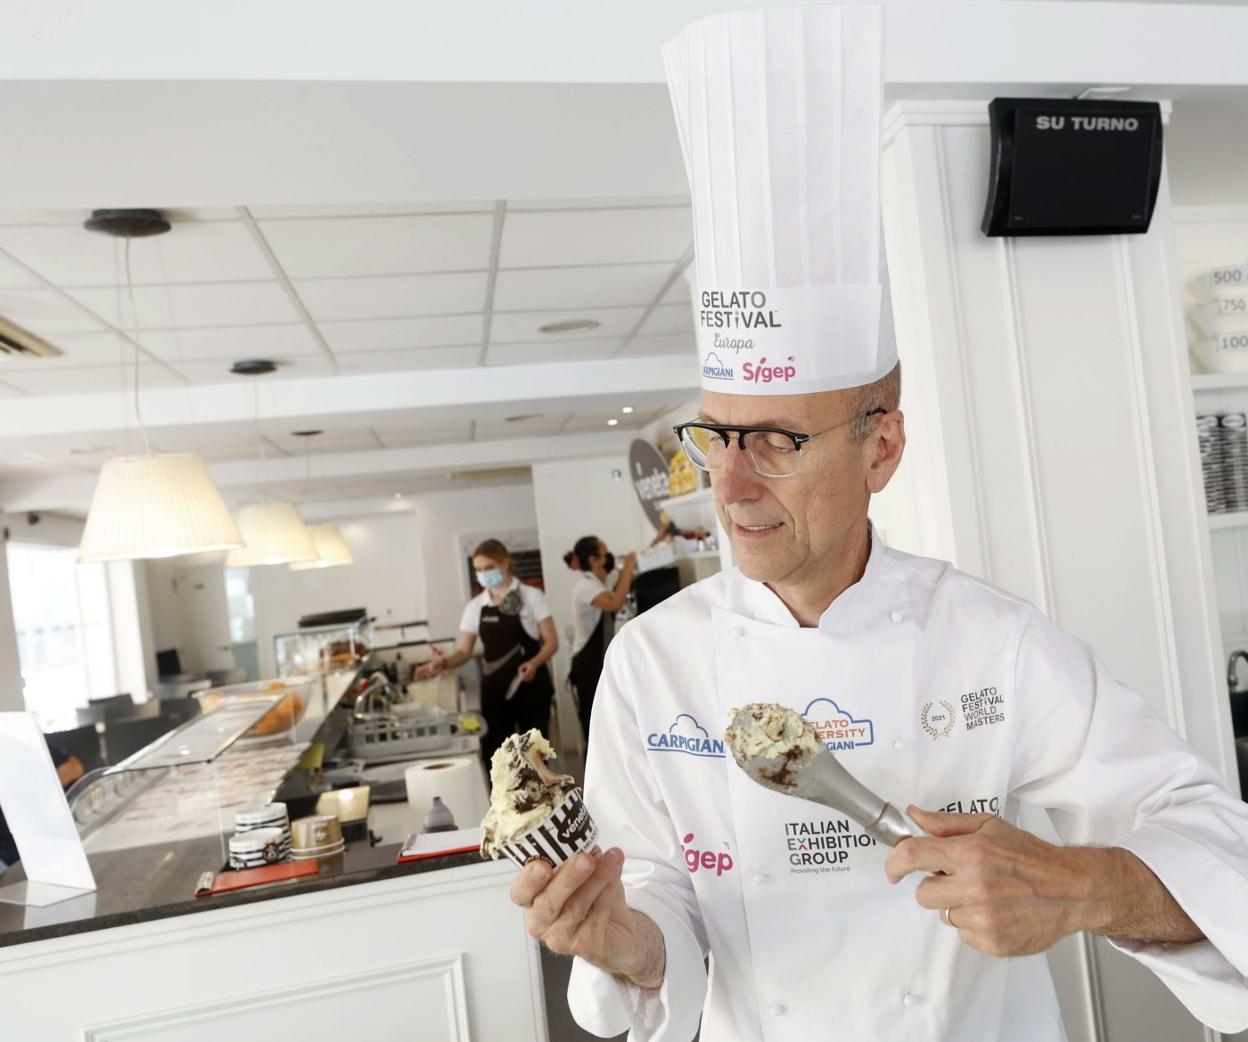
(569, 830)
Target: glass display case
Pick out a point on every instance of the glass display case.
(189, 782)
(322, 649)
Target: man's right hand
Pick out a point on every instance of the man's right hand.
(580, 910)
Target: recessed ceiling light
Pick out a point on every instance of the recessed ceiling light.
(612, 422)
(627, 409)
(572, 325)
(398, 495)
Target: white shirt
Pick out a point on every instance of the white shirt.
(584, 615)
(533, 609)
(932, 688)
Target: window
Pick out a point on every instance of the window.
(62, 617)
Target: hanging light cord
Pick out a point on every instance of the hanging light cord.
(134, 315)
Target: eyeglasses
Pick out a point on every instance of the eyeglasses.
(773, 452)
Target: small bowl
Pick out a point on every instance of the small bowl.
(317, 831)
(347, 805)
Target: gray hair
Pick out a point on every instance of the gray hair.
(884, 394)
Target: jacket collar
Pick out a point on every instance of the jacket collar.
(756, 600)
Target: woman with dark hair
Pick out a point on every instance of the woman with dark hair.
(593, 608)
(518, 636)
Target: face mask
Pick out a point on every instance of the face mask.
(609, 564)
(492, 579)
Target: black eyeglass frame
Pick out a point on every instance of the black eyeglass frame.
(725, 431)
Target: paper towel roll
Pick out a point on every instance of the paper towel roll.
(460, 782)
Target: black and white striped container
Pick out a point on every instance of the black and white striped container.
(569, 830)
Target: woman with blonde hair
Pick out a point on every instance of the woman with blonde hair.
(513, 622)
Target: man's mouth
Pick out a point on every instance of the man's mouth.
(756, 530)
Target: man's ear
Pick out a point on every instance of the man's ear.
(884, 450)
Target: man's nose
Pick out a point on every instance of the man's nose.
(736, 478)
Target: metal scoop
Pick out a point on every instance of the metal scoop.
(821, 779)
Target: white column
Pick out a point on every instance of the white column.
(10, 666)
(1052, 452)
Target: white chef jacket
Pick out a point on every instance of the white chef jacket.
(584, 615)
(931, 687)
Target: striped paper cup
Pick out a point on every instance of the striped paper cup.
(569, 830)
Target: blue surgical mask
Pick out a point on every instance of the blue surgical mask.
(492, 579)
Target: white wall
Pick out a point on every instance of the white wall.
(189, 613)
(10, 665)
(387, 579)
(450, 524)
(1052, 451)
(578, 498)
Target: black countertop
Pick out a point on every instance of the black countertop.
(147, 883)
(142, 884)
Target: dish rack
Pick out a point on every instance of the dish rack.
(384, 728)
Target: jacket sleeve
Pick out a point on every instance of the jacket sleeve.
(623, 797)
(1111, 772)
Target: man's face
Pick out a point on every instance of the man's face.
(788, 529)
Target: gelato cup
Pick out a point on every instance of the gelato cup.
(534, 813)
(569, 830)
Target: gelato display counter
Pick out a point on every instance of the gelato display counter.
(360, 947)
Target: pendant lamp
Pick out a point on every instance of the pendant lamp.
(157, 504)
(160, 504)
(273, 533)
(331, 549)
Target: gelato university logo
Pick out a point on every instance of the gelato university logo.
(839, 730)
(687, 736)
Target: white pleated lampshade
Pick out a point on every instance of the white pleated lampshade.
(273, 533)
(160, 504)
(331, 549)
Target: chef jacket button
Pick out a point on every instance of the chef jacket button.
(909, 1000)
(899, 745)
(738, 631)
(778, 1009)
(762, 877)
(896, 616)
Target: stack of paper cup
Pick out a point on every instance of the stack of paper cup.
(271, 816)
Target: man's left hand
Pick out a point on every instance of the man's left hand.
(1004, 890)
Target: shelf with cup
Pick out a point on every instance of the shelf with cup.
(691, 510)
(1233, 519)
(1219, 381)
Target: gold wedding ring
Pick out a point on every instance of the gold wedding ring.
(946, 917)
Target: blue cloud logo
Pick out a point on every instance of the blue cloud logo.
(687, 736)
(838, 728)
(713, 368)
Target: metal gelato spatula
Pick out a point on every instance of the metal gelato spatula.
(779, 749)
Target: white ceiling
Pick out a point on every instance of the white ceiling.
(332, 292)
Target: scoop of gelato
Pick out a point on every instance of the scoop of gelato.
(523, 790)
(772, 742)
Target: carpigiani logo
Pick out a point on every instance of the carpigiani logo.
(938, 719)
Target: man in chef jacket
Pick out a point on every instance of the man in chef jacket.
(932, 688)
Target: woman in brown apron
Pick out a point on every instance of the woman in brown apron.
(517, 634)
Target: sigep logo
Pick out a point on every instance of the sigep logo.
(836, 728)
(713, 368)
(696, 859)
(685, 735)
(761, 372)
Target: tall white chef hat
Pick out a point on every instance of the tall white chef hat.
(779, 115)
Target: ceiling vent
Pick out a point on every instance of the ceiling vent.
(16, 342)
(492, 474)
